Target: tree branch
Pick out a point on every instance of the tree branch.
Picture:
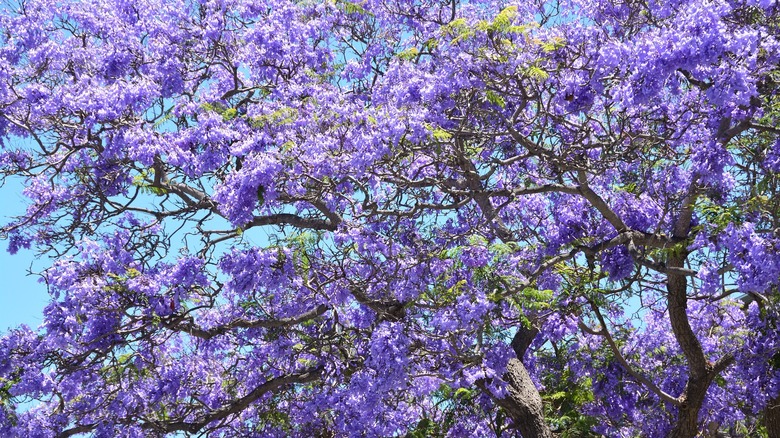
(624, 363)
(599, 203)
(238, 405)
(292, 219)
(189, 326)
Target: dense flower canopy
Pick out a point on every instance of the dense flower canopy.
(395, 218)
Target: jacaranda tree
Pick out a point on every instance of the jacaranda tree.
(394, 217)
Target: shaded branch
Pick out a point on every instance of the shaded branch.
(294, 220)
(189, 326)
(624, 363)
(599, 203)
(238, 405)
(76, 430)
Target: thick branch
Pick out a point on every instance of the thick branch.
(523, 402)
(677, 288)
(294, 220)
(391, 310)
(623, 238)
(334, 218)
(189, 327)
(523, 339)
(545, 188)
(701, 371)
(657, 266)
(772, 418)
(76, 430)
(624, 363)
(474, 184)
(238, 405)
(599, 203)
(193, 196)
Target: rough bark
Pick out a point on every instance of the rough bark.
(523, 339)
(772, 418)
(698, 379)
(700, 371)
(687, 424)
(523, 403)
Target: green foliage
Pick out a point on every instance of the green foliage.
(275, 419)
(534, 299)
(442, 295)
(495, 98)
(430, 44)
(502, 23)
(303, 245)
(563, 402)
(216, 107)
(229, 114)
(426, 428)
(123, 367)
(552, 45)
(353, 8)
(282, 116)
(142, 181)
(536, 73)
(409, 54)
(718, 215)
(5, 389)
(168, 116)
(458, 30)
(439, 134)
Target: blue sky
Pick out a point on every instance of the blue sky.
(22, 297)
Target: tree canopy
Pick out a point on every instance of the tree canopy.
(395, 218)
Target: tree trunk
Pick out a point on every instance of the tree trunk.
(687, 424)
(523, 402)
(772, 418)
(699, 369)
